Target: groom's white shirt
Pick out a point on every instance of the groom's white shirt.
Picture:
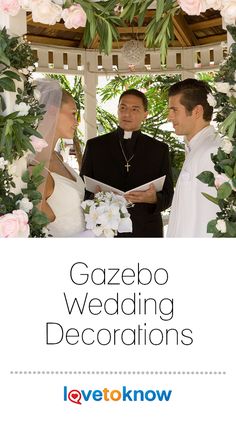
(190, 210)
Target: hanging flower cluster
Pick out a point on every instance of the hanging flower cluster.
(48, 11)
(227, 8)
(224, 179)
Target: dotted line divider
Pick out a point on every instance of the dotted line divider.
(93, 372)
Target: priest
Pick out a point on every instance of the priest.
(127, 158)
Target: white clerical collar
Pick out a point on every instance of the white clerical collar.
(127, 135)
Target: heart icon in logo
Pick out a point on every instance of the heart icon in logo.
(75, 396)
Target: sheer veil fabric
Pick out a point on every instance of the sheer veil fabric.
(50, 97)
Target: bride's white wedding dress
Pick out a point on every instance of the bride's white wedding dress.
(65, 202)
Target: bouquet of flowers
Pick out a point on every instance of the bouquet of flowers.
(107, 214)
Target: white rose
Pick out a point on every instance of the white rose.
(25, 205)
(226, 145)
(221, 226)
(222, 87)
(22, 109)
(46, 12)
(228, 12)
(3, 163)
(25, 4)
(213, 4)
(211, 100)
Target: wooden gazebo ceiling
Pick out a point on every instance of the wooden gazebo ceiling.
(188, 31)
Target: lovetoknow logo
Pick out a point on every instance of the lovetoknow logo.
(77, 396)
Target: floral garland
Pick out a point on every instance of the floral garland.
(227, 8)
(224, 180)
(19, 116)
(103, 17)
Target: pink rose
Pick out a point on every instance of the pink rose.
(74, 17)
(220, 179)
(228, 12)
(38, 143)
(45, 11)
(14, 225)
(192, 7)
(11, 7)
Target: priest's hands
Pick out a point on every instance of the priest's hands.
(147, 197)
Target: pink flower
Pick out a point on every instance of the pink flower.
(11, 7)
(14, 225)
(220, 179)
(192, 7)
(74, 17)
(45, 11)
(38, 143)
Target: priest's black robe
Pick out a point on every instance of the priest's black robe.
(103, 160)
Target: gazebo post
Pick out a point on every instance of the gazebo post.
(90, 81)
(15, 25)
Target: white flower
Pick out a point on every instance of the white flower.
(46, 12)
(125, 225)
(3, 163)
(221, 226)
(25, 205)
(25, 4)
(228, 11)
(211, 100)
(22, 109)
(24, 71)
(213, 4)
(107, 214)
(222, 87)
(226, 145)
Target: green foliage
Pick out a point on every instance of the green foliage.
(225, 159)
(16, 130)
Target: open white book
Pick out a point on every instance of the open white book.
(91, 185)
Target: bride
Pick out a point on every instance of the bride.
(63, 189)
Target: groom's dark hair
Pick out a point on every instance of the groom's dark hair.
(138, 94)
(193, 92)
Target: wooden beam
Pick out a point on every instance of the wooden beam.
(216, 22)
(212, 39)
(131, 30)
(94, 43)
(182, 31)
(41, 40)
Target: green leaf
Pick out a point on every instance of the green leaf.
(7, 84)
(12, 75)
(229, 171)
(211, 198)
(231, 228)
(234, 182)
(159, 9)
(25, 176)
(211, 227)
(4, 59)
(224, 191)
(37, 169)
(207, 177)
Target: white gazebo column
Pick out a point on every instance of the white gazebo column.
(15, 25)
(90, 80)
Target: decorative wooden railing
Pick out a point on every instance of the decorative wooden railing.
(75, 61)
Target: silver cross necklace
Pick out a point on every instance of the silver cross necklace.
(127, 164)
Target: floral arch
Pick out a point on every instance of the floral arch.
(19, 197)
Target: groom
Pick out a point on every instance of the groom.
(126, 158)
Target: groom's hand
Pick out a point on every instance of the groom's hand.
(148, 196)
